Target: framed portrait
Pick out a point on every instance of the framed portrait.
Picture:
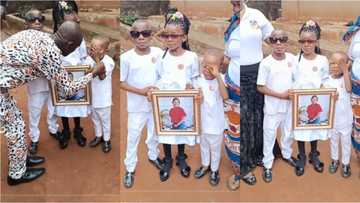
(313, 108)
(176, 112)
(81, 97)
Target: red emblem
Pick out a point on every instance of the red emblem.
(181, 66)
(153, 60)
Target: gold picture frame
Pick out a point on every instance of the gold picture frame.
(313, 108)
(82, 97)
(167, 111)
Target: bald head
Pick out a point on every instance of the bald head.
(216, 55)
(141, 24)
(68, 37)
(341, 56)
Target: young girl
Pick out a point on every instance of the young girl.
(311, 71)
(176, 69)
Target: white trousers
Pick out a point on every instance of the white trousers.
(36, 101)
(210, 147)
(136, 122)
(345, 138)
(270, 126)
(101, 118)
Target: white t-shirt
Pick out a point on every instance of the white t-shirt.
(174, 72)
(343, 111)
(101, 90)
(139, 71)
(276, 75)
(354, 53)
(310, 74)
(245, 43)
(212, 108)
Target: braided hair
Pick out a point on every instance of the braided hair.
(62, 8)
(311, 26)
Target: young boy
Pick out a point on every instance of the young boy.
(38, 92)
(177, 114)
(340, 79)
(138, 76)
(101, 93)
(314, 110)
(274, 81)
(213, 121)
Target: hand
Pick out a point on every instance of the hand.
(189, 87)
(214, 70)
(148, 93)
(291, 94)
(99, 70)
(284, 95)
(200, 96)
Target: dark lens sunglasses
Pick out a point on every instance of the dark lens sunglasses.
(136, 34)
(172, 36)
(274, 40)
(307, 41)
(32, 19)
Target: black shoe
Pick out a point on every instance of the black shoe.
(291, 161)
(106, 146)
(165, 171)
(34, 160)
(128, 180)
(214, 178)
(95, 142)
(259, 161)
(333, 166)
(267, 175)
(346, 171)
(315, 161)
(249, 179)
(80, 139)
(184, 168)
(300, 165)
(64, 139)
(33, 147)
(55, 135)
(30, 174)
(201, 172)
(158, 163)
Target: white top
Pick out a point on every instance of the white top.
(101, 90)
(212, 108)
(174, 72)
(139, 71)
(276, 75)
(38, 85)
(343, 111)
(354, 53)
(245, 43)
(311, 74)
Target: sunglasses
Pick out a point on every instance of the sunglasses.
(274, 40)
(172, 36)
(309, 41)
(144, 33)
(32, 19)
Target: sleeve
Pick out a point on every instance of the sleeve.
(159, 67)
(324, 73)
(195, 69)
(266, 26)
(262, 74)
(124, 68)
(83, 52)
(109, 65)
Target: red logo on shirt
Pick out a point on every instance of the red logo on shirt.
(315, 68)
(181, 66)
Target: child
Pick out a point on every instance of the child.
(38, 92)
(101, 92)
(314, 110)
(274, 81)
(137, 77)
(340, 79)
(311, 72)
(177, 115)
(213, 121)
(176, 69)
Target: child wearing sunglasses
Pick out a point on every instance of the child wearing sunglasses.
(138, 77)
(274, 81)
(311, 72)
(38, 92)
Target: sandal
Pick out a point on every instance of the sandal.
(233, 183)
(249, 179)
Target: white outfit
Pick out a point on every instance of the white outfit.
(173, 73)
(213, 122)
(139, 71)
(311, 74)
(101, 101)
(276, 75)
(343, 120)
(354, 54)
(75, 58)
(38, 96)
(240, 48)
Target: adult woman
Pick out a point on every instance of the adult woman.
(244, 37)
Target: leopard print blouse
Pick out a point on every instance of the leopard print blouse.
(30, 54)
